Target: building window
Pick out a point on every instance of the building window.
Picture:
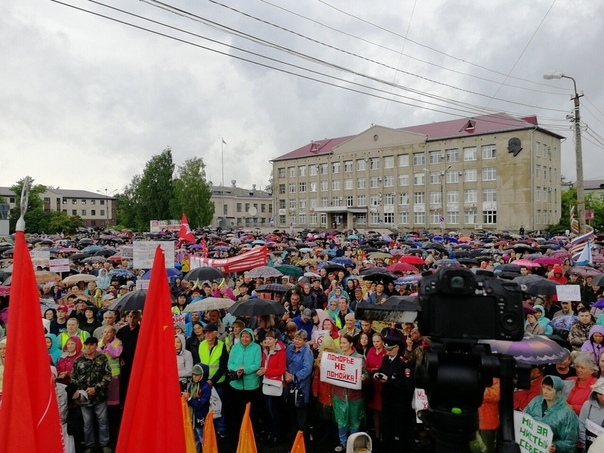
(436, 198)
(403, 199)
(302, 219)
(469, 154)
(74, 212)
(419, 197)
(488, 151)
(360, 164)
(335, 184)
(12, 200)
(349, 201)
(374, 182)
(434, 217)
(101, 212)
(83, 212)
(361, 200)
(452, 196)
(335, 167)
(324, 202)
(403, 160)
(374, 163)
(348, 184)
(302, 187)
(453, 217)
(360, 183)
(281, 189)
(404, 216)
(337, 201)
(452, 155)
(292, 203)
(489, 217)
(389, 217)
(434, 177)
(470, 175)
(313, 169)
(403, 180)
(419, 179)
(313, 186)
(93, 212)
(324, 169)
(91, 201)
(470, 217)
(83, 201)
(313, 219)
(281, 220)
(347, 166)
(102, 202)
(324, 186)
(470, 196)
(419, 218)
(435, 157)
(270, 208)
(323, 218)
(419, 159)
(225, 210)
(292, 220)
(388, 181)
(389, 162)
(452, 177)
(292, 187)
(489, 174)
(281, 204)
(313, 203)
(302, 170)
(389, 199)
(247, 207)
(302, 204)
(489, 195)
(262, 207)
(73, 201)
(361, 219)
(292, 172)
(374, 200)
(281, 172)
(238, 207)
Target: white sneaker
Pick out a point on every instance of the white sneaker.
(340, 448)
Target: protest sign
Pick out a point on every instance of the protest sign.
(568, 293)
(40, 258)
(144, 251)
(532, 436)
(60, 265)
(317, 336)
(342, 370)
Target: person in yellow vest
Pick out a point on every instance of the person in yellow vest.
(72, 330)
(112, 347)
(214, 354)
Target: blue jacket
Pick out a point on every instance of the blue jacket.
(249, 357)
(199, 401)
(300, 364)
(306, 326)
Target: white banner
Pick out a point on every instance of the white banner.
(60, 265)
(144, 252)
(532, 436)
(568, 293)
(40, 258)
(342, 370)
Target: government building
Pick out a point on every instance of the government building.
(492, 172)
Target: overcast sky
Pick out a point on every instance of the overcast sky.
(85, 102)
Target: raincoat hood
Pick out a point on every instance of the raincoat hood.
(248, 330)
(78, 344)
(596, 329)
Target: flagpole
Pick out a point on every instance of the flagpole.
(222, 143)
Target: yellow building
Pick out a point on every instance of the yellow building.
(491, 172)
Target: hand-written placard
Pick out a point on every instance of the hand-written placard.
(532, 436)
(144, 251)
(342, 370)
(60, 265)
(568, 293)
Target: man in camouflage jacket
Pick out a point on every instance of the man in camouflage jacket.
(92, 375)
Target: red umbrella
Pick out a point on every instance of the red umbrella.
(402, 267)
(411, 259)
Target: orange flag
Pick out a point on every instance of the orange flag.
(247, 442)
(189, 437)
(299, 446)
(29, 414)
(152, 419)
(209, 435)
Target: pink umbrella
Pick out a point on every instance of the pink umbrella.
(548, 261)
(525, 263)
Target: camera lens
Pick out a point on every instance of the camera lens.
(509, 321)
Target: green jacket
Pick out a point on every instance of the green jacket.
(95, 373)
(249, 357)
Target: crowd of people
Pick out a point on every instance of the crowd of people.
(274, 361)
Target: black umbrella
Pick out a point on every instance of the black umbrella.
(105, 253)
(256, 307)
(134, 300)
(376, 274)
(80, 256)
(435, 246)
(542, 287)
(332, 267)
(273, 288)
(203, 273)
(508, 268)
(460, 254)
(395, 309)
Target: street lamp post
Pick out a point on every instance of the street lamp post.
(443, 175)
(578, 150)
(107, 194)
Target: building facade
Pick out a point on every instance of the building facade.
(95, 209)
(235, 207)
(489, 172)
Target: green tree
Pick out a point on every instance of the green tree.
(154, 193)
(36, 219)
(126, 204)
(60, 222)
(192, 194)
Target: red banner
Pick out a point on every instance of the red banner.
(249, 260)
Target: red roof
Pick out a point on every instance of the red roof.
(462, 127)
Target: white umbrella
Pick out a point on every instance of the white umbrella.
(72, 279)
(209, 303)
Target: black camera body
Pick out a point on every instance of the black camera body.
(457, 304)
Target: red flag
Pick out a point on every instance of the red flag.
(185, 232)
(204, 247)
(29, 414)
(152, 419)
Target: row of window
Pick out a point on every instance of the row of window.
(389, 199)
(374, 163)
(419, 179)
(262, 206)
(84, 212)
(419, 218)
(75, 201)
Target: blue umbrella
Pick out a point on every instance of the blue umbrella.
(121, 273)
(258, 242)
(408, 279)
(563, 322)
(343, 261)
(353, 236)
(386, 238)
(170, 272)
(92, 248)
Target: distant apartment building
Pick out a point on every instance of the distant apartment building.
(489, 172)
(95, 209)
(235, 207)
